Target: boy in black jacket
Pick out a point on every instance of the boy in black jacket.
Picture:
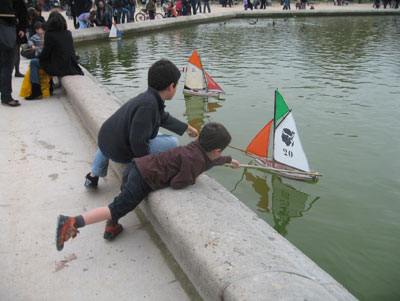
(178, 168)
(132, 131)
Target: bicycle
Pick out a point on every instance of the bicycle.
(144, 15)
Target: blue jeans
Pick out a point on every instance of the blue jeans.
(159, 144)
(7, 59)
(124, 12)
(206, 4)
(34, 71)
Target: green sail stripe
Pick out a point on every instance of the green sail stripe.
(280, 107)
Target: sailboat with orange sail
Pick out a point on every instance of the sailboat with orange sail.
(197, 80)
(277, 147)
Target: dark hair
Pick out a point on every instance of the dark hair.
(32, 12)
(56, 22)
(162, 73)
(213, 136)
(38, 25)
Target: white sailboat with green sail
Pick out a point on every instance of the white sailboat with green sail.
(277, 147)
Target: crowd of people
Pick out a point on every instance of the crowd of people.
(48, 43)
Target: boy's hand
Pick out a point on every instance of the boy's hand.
(192, 132)
(235, 163)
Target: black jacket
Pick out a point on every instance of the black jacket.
(126, 134)
(82, 6)
(22, 18)
(58, 55)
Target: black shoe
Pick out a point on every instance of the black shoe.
(51, 89)
(91, 182)
(36, 92)
(19, 74)
(11, 103)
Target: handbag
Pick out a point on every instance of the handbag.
(8, 35)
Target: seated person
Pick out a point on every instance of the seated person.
(57, 57)
(103, 15)
(36, 41)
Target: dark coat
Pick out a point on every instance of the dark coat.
(58, 55)
(176, 167)
(126, 133)
(82, 6)
(22, 16)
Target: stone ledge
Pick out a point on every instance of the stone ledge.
(224, 248)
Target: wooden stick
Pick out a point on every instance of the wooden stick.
(7, 15)
(278, 170)
(243, 151)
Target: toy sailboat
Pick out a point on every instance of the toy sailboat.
(288, 158)
(197, 80)
(115, 34)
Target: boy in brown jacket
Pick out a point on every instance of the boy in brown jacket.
(177, 167)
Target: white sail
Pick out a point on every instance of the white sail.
(287, 146)
(194, 78)
(113, 32)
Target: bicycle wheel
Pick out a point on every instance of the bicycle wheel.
(159, 16)
(140, 17)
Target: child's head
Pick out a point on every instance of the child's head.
(162, 74)
(214, 136)
(39, 27)
(92, 15)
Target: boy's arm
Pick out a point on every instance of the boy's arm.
(222, 160)
(173, 124)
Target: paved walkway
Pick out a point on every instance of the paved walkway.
(44, 154)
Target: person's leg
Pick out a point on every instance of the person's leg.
(162, 143)
(34, 71)
(35, 80)
(17, 61)
(7, 57)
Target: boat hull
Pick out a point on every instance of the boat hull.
(201, 92)
(272, 165)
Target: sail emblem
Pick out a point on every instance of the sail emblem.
(287, 137)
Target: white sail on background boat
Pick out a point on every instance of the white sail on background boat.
(288, 157)
(197, 80)
(114, 32)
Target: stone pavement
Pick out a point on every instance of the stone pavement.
(45, 152)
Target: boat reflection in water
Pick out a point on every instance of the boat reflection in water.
(278, 196)
(198, 109)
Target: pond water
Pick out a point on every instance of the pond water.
(341, 76)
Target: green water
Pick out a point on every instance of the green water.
(341, 77)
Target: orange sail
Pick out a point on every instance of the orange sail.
(211, 84)
(195, 60)
(259, 145)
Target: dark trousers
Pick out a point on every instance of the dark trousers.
(152, 14)
(133, 190)
(7, 60)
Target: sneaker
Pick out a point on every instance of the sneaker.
(112, 230)
(65, 230)
(91, 182)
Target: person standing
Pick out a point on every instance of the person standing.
(151, 9)
(206, 4)
(22, 25)
(8, 39)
